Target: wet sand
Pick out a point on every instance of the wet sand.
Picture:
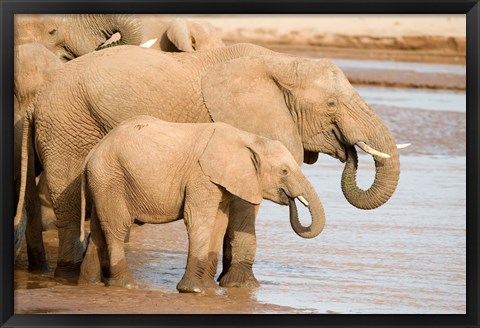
(408, 256)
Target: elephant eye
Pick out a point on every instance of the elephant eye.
(332, 102)
(52, 32)
(284, 172)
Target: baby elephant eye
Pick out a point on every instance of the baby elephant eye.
(284, 172)
(331, 102)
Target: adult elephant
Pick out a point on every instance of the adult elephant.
(307, 104)
(34, 66)
(71, 36)
(179, 34)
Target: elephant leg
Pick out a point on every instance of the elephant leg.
(199, 271)
(239, 246)
(115, 222)
(37, 261)
(91, 268)
(218, 233)
(119, 274)
(66, 203)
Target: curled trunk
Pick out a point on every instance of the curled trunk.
(387, 173)
(95, 32)
(316, 211)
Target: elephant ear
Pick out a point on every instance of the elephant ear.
(245, 93)
(230, 163)
(178, 33)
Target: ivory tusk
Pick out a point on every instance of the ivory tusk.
(303, 200)
(149, 43)
(366, 148)
(401, 146)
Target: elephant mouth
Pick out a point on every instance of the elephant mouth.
(284, 197)
(287, 199)
(341, 151)
(337, 147)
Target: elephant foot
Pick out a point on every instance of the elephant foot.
(195, 285)
(37, 261)
(120, 276)
(125, 281)
(84, 281)
(67, 271)
(238, 276)
(39, 267)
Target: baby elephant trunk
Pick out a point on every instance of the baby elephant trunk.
(311, 200)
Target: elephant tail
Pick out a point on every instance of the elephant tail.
(26, 143)
(83, 203)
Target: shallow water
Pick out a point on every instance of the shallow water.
(401, 66)
(408, 256)
(435, 100)
(405, 257)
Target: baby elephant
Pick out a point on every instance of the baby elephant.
(158, 172)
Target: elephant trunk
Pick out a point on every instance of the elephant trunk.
(387, 173)
(94, 32)
(129, 28)
(316, 212)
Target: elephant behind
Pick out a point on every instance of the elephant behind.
(179, 34)
(157, 172)
(307, 104)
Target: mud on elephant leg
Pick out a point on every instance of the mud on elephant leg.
(203, 253)
(37, 261)
(120, 276)
(239, 246)
(71, 250)
(91, 268)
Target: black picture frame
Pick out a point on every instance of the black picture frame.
(10, 7)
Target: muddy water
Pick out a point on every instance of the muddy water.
(408, 256)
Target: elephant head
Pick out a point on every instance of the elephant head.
(71, 36)
(253, 167)
(310, 106)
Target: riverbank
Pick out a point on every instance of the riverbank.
(419, 38)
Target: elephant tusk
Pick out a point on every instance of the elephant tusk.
(401, 146)
(303, 200)
(366, 148)
(149, 43)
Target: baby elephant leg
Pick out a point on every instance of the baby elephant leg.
(90, 270)
(115, 225)
(205, 237)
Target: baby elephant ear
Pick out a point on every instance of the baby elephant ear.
(232, 164)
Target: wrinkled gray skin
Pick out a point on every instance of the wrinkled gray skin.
(307, 104)
(34, 66)
(42, 44)
(179, 34)
(71, 36)
(217, 162)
